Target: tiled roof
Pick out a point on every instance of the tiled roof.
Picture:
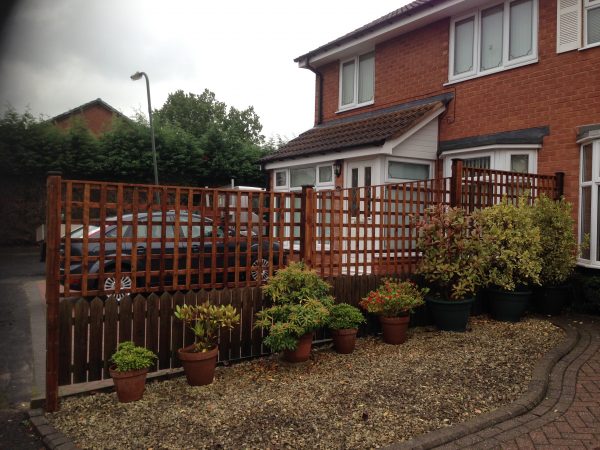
(383, 21)
(372, 128)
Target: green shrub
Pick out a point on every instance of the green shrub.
(558, 241)
(586, 290)
(205, 320)
(300, 305)
(130, 357)
(343, 316)
(394, 298)
(512, 242)
(452, 252)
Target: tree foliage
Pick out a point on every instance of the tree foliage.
(199, 141)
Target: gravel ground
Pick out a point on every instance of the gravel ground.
(379, 395)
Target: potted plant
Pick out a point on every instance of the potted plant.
(343, 321)
(300, 305)
(199, 360)
(513, 261)
(452, 257)
(558, 253)
(129, 370)
(392, 301)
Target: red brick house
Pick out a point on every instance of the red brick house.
(508, 85)
(97, 115)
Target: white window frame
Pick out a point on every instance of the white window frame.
(587, 6)
(499, 156)
(423, 162)
(594, 185)
(506, 63)
(325, 183)
(355, 103)
(287, 180)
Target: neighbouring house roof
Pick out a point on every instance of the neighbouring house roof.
(80, 108)
(368, 129)
(524, 136)
(375, 25)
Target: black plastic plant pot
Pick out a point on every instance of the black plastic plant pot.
(450, 315)
(508, 306)
(551, 300)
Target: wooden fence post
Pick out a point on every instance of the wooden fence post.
(307, 224)
(560, 184)
(53, 220)
(456, 183)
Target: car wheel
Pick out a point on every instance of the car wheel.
(260, 270)
(125, 288)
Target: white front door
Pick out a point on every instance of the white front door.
(360, 173)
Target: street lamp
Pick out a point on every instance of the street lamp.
(134, 77)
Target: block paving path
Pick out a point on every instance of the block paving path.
(567, 417)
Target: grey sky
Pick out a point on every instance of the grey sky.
(56, 55)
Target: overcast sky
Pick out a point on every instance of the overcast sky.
(56, 55)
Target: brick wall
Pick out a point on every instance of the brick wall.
(561, 91)
(97, 118)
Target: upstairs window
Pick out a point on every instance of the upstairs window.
(578, 24)
(357, 81)
(493, 38)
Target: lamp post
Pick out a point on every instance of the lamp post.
(137, 76)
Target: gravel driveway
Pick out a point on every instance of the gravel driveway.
(379, 395)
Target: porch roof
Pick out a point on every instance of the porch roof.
(368, 129)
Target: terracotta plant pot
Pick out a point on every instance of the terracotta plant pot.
(344, 340)
(394, 329)
(129, 385)
(302, 352)
(199, 367)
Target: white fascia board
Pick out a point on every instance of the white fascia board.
(405, 25)
(491, 147)
(317, 159)
(389, 145)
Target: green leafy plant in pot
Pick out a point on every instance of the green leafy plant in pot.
(513, 262)
(199, 360)
(343, 321)
(558, 253)
(393, 301)
(129, 370)
(452, 258)
(300, 305)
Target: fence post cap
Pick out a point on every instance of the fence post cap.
(53, 173)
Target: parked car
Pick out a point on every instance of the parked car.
(204, 235)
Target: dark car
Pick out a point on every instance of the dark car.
(205, 236)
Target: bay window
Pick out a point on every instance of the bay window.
(493, 38)
(589, 203)
(357, 81)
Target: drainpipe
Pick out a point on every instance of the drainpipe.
(319, 120)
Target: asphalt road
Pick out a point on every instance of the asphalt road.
(21, 377)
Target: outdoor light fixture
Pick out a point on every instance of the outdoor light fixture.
(134, 77)
(337, 167)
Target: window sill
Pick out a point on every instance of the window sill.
(350, 108)
(587, 47)
(588, 264)
(490, 72)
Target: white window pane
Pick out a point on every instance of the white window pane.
(325, 174)
(586, 163)
(519, 163)
(348, 83)
(521, 29)
(463, 45)
(302, 177)
(280, 178)
(366, 77)
(491, 37)
(593, 26)
(408, 171)
(586, 218)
